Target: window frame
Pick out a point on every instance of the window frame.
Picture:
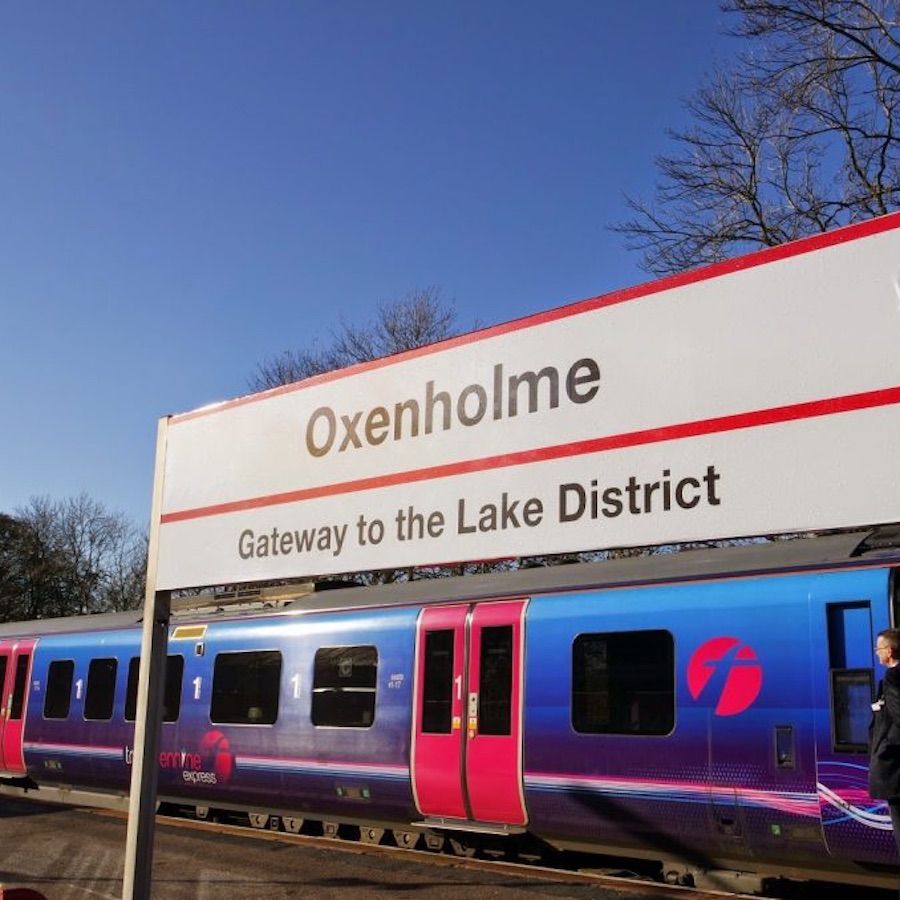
(335, 705)
(170, 693)
(102, 709)
(632, 686)
(261, 698)
(50, 691)
(858, 713)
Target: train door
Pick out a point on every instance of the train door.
(15, 669)
(854, 826)
(467, 733)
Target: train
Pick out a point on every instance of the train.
(705, 711)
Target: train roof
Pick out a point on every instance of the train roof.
(806, 554)
(846, 550)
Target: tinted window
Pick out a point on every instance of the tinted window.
(437, 691)
(18, 699)
(624, 683)
(58, 697)
(851, 698)
(344, 687)
(495, 680)
(172, 693)
(101, 689)
(246, 687)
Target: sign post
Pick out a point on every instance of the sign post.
(151, 680)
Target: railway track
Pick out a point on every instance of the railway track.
(608, 882)
(80, 857)
(617, 885)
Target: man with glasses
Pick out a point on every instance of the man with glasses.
(884, 732)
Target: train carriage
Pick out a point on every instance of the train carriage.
(707, 709)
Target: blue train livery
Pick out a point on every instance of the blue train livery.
(708, 709)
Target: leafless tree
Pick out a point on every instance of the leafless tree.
(11, 568)
(421, 317)
(800, 135)
(67, 558)
(42, 585)
(105, 555)
(125, 572)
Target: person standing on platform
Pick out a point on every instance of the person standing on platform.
(884, 732)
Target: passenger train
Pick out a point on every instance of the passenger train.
(707, 710)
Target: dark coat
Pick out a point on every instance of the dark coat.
(884, 739)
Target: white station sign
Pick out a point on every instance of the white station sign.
(757, 396)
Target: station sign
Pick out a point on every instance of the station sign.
(756, 396)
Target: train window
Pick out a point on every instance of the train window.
(58, 697)
(623, 683)
(437, 690)
(785, 751)
(18, 698)
(895, 597)
(495, 680)
(101, 689)
(171, 693)
(246, 687)
(344, 681)
(852, 691)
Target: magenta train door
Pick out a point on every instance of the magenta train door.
(15, 669)
(467, 733)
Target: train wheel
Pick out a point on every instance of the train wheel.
(678, 875)
(462, 848)
(406, 839)
(435, 842)
(292, 825)
(370, 835)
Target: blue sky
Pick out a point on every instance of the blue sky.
(188, 187)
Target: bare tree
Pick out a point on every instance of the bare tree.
(799, 136)
(67, 558)
(44, 583)
(125, 571)
(421, 317)
(11, 568)
(104, 555)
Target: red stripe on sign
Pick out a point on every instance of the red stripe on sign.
(762, 257)
(719, 425)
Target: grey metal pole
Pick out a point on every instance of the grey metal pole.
(145, 769)
(151, 686)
